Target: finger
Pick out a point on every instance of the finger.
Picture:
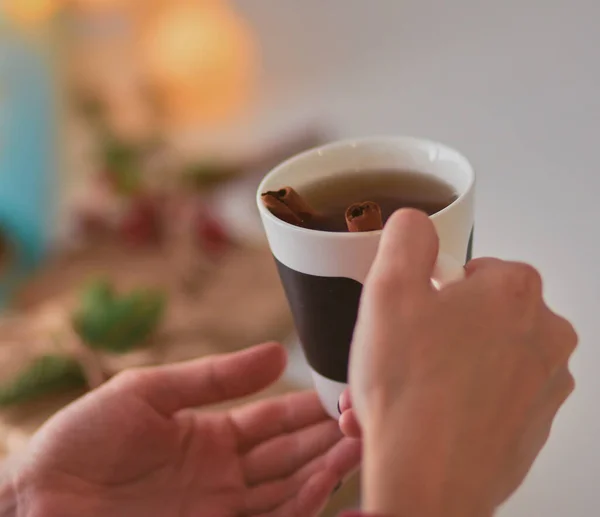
(310, 500)
(559, 340)
(349, 424)
(284, 455)
(518, 278)
(341, 461)
(513, 288)
(407, 252)
(207, 381)
(560, 389)
(261, 421)
(345, 402)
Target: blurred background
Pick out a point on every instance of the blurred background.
(133, 134)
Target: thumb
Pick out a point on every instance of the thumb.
(171, 388)
(407, 252)
(402, 268)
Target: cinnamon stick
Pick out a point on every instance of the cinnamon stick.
(289, 206)
(364, 217)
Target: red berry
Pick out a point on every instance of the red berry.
(141, 225)
(212, 236)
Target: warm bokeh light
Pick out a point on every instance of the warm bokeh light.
(30, 12)
(202, 58)
(100, 4)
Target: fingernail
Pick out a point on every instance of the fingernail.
(339, 408)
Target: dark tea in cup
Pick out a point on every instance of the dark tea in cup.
(325, 203)
(390, 189)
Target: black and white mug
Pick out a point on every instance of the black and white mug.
(323, 272)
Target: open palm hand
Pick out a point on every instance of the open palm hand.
(134, 447)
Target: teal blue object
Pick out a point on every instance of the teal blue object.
(28, 152)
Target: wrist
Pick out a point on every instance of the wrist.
(409, 466)
(396, 485)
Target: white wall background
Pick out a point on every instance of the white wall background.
(516, 86)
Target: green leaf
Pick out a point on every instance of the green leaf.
(98, 292)
(46, 375)
(123, 164)
(134, 318)
(204, 175)
(116, 324)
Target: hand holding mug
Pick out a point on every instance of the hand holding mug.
(455, 390)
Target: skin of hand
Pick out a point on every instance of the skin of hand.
(454, 391)
(135, 447)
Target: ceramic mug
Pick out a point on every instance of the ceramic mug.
(323, 272)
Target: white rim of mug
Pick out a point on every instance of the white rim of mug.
(354, 142)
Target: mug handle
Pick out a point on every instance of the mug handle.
(447, 270)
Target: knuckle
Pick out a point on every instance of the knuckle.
(524, 279)
(520, 281)
(564, 388)
(564, 336)
(571, 337)
(570, 383)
